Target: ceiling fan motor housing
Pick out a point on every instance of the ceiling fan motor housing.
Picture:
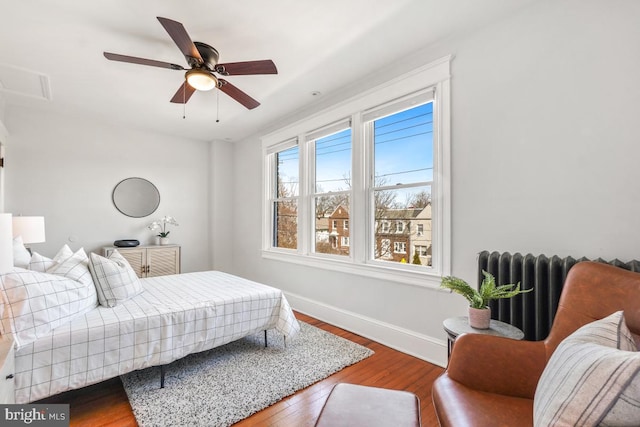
(209, 55)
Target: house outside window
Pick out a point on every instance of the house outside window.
(338, 235)
(385, 165)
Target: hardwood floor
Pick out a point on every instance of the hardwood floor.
(106, 404)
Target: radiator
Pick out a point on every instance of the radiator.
(534, 311)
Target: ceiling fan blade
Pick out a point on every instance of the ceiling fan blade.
(181, 38)
(141, 61)
(265, 66)
(237, 94)
(183, 94)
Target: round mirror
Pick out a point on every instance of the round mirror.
(136, 197)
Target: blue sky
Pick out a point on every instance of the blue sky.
(403, 152)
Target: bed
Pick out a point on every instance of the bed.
(168, 318)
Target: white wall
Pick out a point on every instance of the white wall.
(544, 160)
(65, 169)
(223, 236)
(545, 143)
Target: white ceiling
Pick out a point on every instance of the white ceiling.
(51, 54)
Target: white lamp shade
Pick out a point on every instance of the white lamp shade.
(31, 228)
(6, 243)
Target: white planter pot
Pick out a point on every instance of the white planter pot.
(480, 318)
(164, 240)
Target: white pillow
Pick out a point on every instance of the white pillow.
(592, 378)
(21, 255)
(75, 267)
(42, 263)
(39, 263)
(63, 254)
(35, 303)
(115, 280)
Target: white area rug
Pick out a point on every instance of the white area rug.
(222, 386)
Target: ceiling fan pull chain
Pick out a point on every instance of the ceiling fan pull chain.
(218, 106)
(184, 101)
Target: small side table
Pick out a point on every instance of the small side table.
(455, 326)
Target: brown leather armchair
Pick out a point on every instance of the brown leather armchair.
(491, 381)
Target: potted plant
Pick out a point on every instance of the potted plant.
(161, 224)
(479, 310)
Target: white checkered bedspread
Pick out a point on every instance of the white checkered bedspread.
(174, 316)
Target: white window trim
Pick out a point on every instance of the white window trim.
(435, 74)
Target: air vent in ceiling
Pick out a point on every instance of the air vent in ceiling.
(23, 82)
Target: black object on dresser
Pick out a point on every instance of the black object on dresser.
(127, 243)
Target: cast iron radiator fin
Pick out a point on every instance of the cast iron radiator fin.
(534, 311)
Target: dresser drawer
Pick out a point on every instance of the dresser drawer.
(7, 371)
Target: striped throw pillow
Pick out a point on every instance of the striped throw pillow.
(593, 378)
(115, 280)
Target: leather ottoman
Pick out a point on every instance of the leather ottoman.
(358, 406)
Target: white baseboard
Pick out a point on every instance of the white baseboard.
(427, 348)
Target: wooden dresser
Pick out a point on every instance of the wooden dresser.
(150, 261)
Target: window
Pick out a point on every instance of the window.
(362, 189)
(402, 144)
(285, 199)
(400, 248)
(385, 249)
(421, 250)
(331, 148)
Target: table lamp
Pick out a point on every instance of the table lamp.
(31, 228)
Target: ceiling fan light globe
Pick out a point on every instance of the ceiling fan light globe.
(201, 80)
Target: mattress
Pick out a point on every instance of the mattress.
(174, 316)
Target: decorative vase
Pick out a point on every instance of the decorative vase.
(480, 318)
(164, 240)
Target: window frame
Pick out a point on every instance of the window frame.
(434, 76)
(274, 198)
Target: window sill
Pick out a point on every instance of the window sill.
(426, 279)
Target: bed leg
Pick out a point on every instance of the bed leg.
(161, 376)
(265, 338)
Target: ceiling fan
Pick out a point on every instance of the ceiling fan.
(203, 63)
